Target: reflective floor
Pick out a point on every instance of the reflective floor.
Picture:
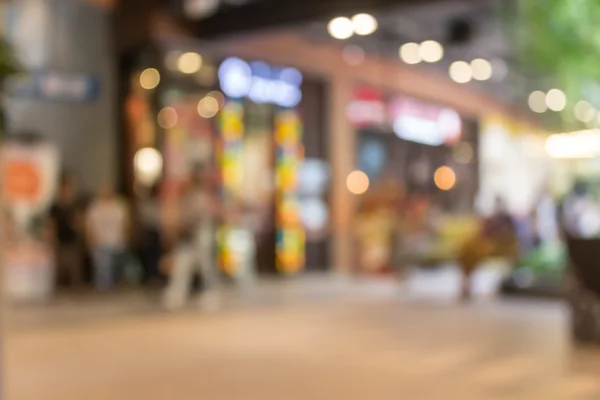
(313, 339)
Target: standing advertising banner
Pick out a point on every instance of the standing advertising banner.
(28, 183)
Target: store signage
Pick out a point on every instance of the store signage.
(56, 86)
(260, 82)
(367, 108)
(425, 123)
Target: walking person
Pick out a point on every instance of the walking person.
(195, 244)
(66, 217)
(107, 223)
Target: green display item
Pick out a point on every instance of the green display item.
(545, 259)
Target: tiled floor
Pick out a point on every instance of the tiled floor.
(316, 340)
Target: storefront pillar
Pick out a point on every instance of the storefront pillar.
(68, 95)
(342, 153)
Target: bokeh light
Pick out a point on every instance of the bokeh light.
(208, 107)
(167, 118)
(482, 69)
(189, 63)
(461, 72)
(556, 100)
(148, 164)
(584, 111)
(150, 78)
(537, 102)
(410, 53)
(364, 24)
(340, 28)
(445, 178)
(431, 51)
(358, 182)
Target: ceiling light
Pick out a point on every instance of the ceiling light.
(189, 63)
(461, 72)
(431, 51)
(364, 24)
(556, 100)
(410, 53)
(340, 28)
(482, 69)
(537, 101)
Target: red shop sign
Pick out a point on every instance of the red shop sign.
(367, 107)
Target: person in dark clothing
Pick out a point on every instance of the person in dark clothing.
(150, 236)
(67, 222)
(496, 237)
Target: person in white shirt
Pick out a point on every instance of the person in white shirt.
(194, 251)
(107, 222)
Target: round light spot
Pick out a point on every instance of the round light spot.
(340, 28)
(364, 24)
(147, 164)
(482, 69)
(431, 51)
(357, 182)
(556, 100)
(461, 72)
(537, 101)
(208, 107)
(150, 78)
(189, 63)
(584, 111)
(445, 178)
(410, 53)
(167, 118)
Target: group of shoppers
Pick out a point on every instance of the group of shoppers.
(173, 239)
(96, 229)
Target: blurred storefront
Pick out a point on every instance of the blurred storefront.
(368, 132)
(419, 163)
(257, 127)
(335, 140)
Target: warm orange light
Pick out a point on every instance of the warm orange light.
(445, 178)
(357, 182)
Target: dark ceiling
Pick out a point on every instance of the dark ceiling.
(255, 15)
(467, 29)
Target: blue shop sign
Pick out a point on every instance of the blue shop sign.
(260, 82)
(56, 86)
